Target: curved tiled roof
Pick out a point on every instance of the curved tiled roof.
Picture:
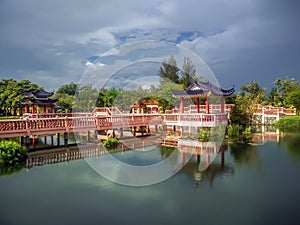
(39, 94)
(37, 101)
(199, 89)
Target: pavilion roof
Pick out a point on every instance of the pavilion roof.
(200, 89)
(37, 101)
(38, 94)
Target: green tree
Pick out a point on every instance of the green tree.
(169, 71)
(283, 86)
(69, 89)
(11, 92)
(86, 98)
(188, 72)
(65, 100)
(254, 89)
(293, 99)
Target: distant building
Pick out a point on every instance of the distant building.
(38, 101)
(145, 106)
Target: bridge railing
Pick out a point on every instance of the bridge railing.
(39, 126)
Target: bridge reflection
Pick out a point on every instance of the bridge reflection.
(196, 156)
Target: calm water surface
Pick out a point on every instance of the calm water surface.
(256, 185)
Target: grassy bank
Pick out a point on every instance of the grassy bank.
(288, 123)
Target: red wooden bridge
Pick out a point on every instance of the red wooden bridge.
(48, 124)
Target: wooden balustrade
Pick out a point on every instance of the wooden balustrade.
(42, 126)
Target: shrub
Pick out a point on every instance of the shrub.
(289, 122)
(111, 143)
(11, 153)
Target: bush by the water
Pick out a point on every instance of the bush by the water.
(237, 133)
(111, 143)
(11, 153)
(289, 122)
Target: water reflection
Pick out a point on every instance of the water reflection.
(262, 134)
(196, 157)
(243, 153)
(292, 142)
(217, 168)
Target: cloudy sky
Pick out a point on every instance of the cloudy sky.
(50, 41)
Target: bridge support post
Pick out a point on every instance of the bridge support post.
(182, 129)
(148, 131)
(21, 140)
(174, 128)
(121, 133)
(134, 131)
(27, 142)
(58, 139)
(33, 141)
(96, 134)
(52, 141)
(164, 127)
(88, 136)
(66, 137)
(142, 129)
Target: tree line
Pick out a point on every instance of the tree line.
(72, 96)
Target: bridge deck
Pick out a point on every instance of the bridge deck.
(52, 125)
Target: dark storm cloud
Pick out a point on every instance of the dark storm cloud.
(47, 41)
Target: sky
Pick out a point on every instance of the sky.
(53, 42)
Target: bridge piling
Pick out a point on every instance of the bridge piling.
(96, 134)
(52, 141)
(66, 138)
(88, 136)
(121, 133)
(58, 139)
(27, 142)
(134, 131)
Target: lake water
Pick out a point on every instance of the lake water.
(254, 185)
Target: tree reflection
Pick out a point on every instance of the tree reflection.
(243, 153)
(8, 170)
(292, 142)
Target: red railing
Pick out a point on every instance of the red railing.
(40, 126)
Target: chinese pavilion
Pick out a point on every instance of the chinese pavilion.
(200, 89)
(39, 101)
(151, 106)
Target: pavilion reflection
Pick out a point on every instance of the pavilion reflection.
(207, 161)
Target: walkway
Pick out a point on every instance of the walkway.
(78, 123)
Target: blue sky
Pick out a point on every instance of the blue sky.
(49, 41)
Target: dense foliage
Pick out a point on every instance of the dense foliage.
(11, 153)
(286, 93)
(110, 143)
(11, 91)
(289, 123)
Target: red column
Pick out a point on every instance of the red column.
(32, 108)
(26, 108)
(51, 108)
(207, 105)
(182, 105)
(207, 159)
(44, 108)
(222, 104)
(198, 106)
